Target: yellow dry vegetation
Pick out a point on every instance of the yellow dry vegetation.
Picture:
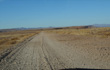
(11, 38)
(98, 32)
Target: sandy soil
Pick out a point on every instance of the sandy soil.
(55, 52)
(86, 51)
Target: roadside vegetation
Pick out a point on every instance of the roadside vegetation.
(11, 38)
(97, 32)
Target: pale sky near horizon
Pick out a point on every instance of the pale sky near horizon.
(55, 13)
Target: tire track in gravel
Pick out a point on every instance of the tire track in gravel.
(41, 52)
(33, 55)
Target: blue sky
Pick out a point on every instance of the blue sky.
(56, 13)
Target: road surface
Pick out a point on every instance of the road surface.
(43, 53)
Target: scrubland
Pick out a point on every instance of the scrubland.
(56, 49)
(90, 45)
(11, 38)
(8, 39)
(97, 32)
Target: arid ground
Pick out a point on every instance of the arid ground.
(56, 49)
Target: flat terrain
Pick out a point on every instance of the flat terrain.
(60, 50)
(53, 52)
(11, 38)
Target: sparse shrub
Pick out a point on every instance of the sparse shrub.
(13, 42)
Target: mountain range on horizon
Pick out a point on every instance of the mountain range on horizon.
(101, 25)
(23, 28)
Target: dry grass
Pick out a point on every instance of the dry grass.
(8, 39)
(98, 32)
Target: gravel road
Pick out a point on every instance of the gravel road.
(44, 53)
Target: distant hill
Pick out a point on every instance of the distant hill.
(7, 30)
(101, 25)
(16, 29)
(23, 28)
(75, 27)
(70, 27)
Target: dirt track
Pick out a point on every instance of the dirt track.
(44, 53)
